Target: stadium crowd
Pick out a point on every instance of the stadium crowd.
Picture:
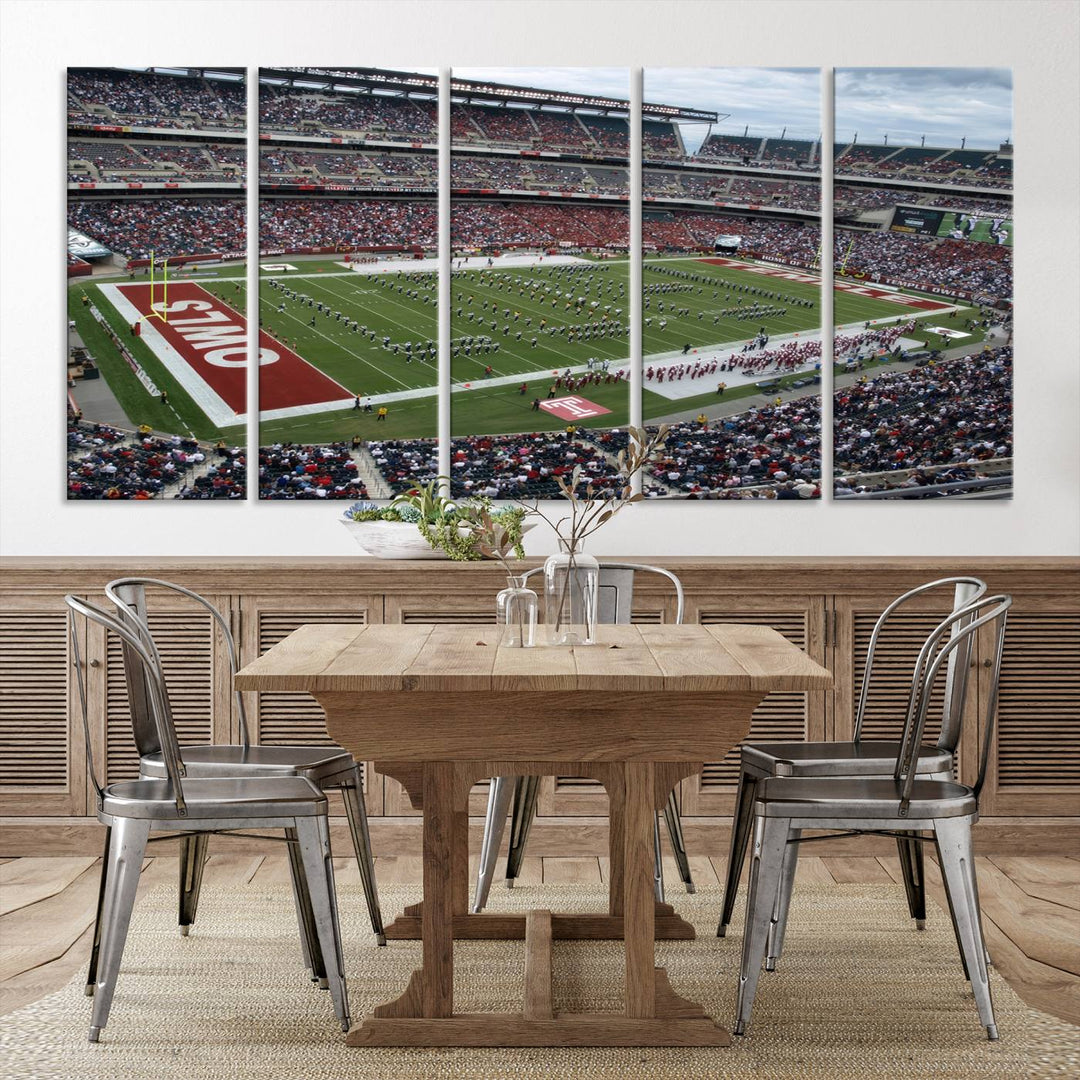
(958, 267)
(525, 466)
(169, 227)
(143, 99)
(954, 413)
(290, 471)
(300, 223)
(398, 118)
(107, 463)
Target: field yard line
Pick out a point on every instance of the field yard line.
(527, 308)
(200, 391)
(344, 348)
(407, 329)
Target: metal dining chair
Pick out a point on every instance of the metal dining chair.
(327, 767)
(900, 805)
(178, 805)
(519, 793)
(859, 757)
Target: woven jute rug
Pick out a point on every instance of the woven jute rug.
(859, 994)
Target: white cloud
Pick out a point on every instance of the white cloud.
(944, 104)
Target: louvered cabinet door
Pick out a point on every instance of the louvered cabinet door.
(782, 716)
(197, 675)
(435, 610)
(283, 718)
(42, 757)
(895, 655)
(1034, 766)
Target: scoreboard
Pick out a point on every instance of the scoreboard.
(953, 225)
(911, 219)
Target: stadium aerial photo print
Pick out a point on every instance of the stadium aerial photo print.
(732, 280)
(157, 332)
(922, 213)
(348, 281)
(540, 231)
(541, 372)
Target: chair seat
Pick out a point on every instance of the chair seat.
(221, 797)
(863, 758)
(225, 759)
(848, 797)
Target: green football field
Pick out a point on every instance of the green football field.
(508, 306)
(981, 231)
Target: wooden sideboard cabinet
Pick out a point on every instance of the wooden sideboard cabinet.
(826, 606)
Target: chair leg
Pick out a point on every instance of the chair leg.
(95, 949)
(192, 862)
(499, 795)
(526, 791)
(956, 929)
(356, 814)
(313, 834)
(953, 838)
(766, 865)
(678, 844)
(783, 900)
(658, 862)
(126, 850)
(309, 942)
(741, 826)
(911, 865)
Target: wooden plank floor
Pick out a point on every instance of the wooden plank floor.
(1031, 910)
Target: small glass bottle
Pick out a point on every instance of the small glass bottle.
(571, 594)
(515, 609)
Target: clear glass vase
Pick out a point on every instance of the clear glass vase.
(515, 609)
(571, 587)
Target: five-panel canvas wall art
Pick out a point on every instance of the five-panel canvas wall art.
(731, 341)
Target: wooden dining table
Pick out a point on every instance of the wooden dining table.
(441, 707)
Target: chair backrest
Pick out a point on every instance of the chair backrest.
(140, 649)
(616, 590)
(955, 634)
(129, 597)
(966, 590)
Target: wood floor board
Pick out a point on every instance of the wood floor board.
(812, 871)
(857, 870)
(1045, 931)
(230, 869)
(1043, 987)
(26, 881)
(38, 982)
(1056, 880)
(43, 932)
(399, 870)
(583, 870)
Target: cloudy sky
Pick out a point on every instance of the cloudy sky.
(765, 100)
(944, 104)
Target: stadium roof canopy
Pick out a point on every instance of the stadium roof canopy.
(225, 73)
(492, 93)
(353, 80)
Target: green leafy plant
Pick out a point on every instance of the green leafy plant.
(465, 531)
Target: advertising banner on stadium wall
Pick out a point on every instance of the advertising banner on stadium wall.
(81, 246)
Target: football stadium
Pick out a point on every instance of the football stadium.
(347, 304)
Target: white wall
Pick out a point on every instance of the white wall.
(1038, 40)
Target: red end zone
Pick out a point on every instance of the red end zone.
(211, 338)
(874, 292)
